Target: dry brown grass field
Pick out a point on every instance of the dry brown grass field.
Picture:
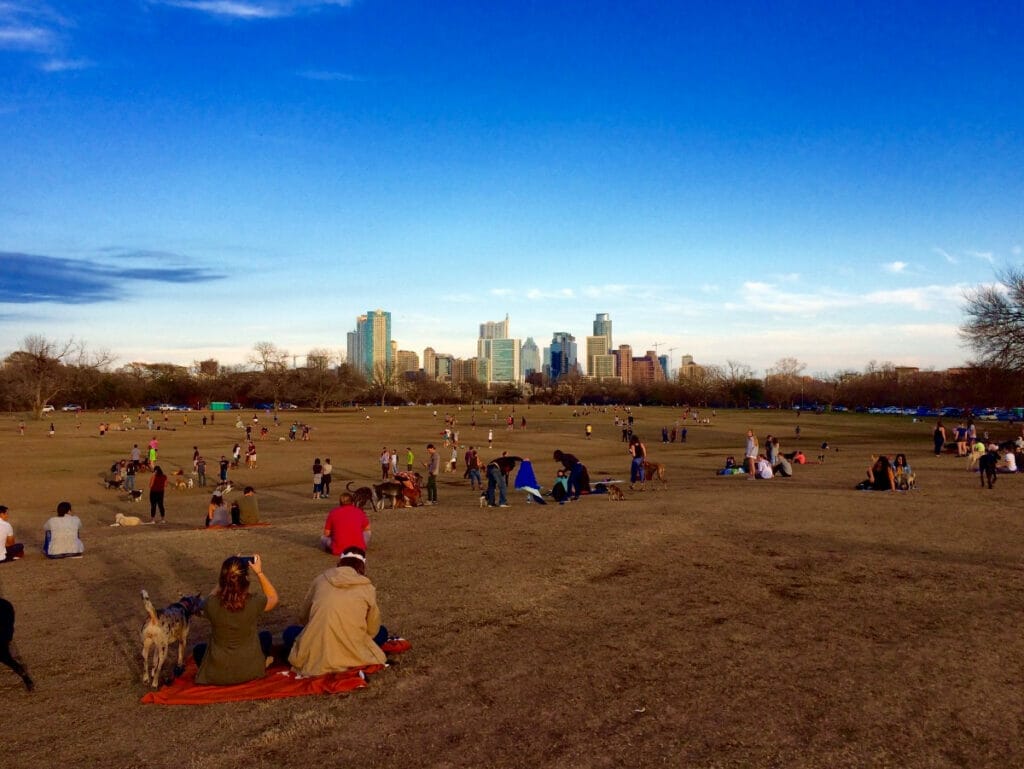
(718, 623)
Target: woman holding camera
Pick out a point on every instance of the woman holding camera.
(237, 651)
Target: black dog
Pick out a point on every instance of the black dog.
(987, 467)
(6, 636)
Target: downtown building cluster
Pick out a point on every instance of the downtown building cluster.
(503, 359)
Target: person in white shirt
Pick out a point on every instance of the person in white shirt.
(62, 532)
(763, 468)
(1009, 463)
(9, 550)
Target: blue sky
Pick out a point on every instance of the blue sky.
(183, 178)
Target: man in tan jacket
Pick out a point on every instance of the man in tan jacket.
(342, 622)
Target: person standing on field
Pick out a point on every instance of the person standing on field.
(433, 465)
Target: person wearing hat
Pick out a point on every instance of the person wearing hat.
(342, 628)
(9, 550)
(217, 512)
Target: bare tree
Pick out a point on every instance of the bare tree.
(995, 321)
(320, 378)
(382, 381)
(272, 363)
(38, 372)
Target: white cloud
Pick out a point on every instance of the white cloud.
(1016, 251)
(985, 256)
(65, 65)
(254, 9)
(558, 293)
(328, 76)
(895, 267)
(945, 255)
(19, 37)
(766, 297)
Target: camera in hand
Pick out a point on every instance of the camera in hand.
(248, 558)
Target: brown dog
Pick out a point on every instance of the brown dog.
(615, 493)
(361, 496)
(655, 471)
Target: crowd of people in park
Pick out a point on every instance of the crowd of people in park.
(340, 620)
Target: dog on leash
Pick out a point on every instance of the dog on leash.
(614, 493)
(163, 628)
(6, 637)
(361, 496)
(126, 520)
(987, 468)
(655, 471)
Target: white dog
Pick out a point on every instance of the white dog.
(126, 520)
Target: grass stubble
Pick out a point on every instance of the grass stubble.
(718, 623)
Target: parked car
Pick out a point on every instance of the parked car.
(48, 408)
(71, 407)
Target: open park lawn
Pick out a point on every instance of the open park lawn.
(718, 623)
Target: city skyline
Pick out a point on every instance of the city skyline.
(183, 179)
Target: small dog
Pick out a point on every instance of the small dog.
(483, 500)
(615, 493)
(180, 484)
(987, 468)
(109, 483)
(163, 628)
(135, 495)
(224, 488)
(361, 496)
(6, 636)
(126, 520)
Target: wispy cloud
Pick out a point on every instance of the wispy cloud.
(249, 10)
(543, 294)
(950, 259)
(895, 267)
(985, 256)
(32, 278)
(329, 76)
(65, 65)
(766, 297)
(29, 27)
(36, 28)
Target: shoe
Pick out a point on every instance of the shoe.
(504, 505)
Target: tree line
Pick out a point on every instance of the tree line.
(44, 371)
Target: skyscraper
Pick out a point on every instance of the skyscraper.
(563, 354)
(370, 346)
(603, 327)
(497, 353)
(529, 358)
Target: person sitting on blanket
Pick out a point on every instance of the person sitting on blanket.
(579, 478)
(217, 512)
(560, 488)
(342, 621)
(248, 508)
(237, 652)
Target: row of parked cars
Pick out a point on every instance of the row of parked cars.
(990, 414)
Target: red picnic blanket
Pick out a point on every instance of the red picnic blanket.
(278, 683)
